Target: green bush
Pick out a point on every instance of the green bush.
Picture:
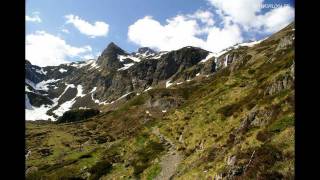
(77, 115)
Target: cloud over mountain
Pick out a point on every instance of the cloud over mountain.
(45, 49)
(213, 29)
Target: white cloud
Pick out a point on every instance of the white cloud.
(219, 39)
(99, 28)
(34, 18)
(88, 56)
(181, 31)
(248, 14)
(45, 49)
(236, 18)
(241, 11)
(204, 16)
(277, 19)
(177, 33)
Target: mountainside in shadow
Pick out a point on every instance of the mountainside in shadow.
(184, 114)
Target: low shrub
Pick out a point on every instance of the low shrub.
(77, 115)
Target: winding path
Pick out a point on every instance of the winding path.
(170, 161)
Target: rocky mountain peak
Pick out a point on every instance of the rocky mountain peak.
(146, 51)
(111, 49)
(109, 57)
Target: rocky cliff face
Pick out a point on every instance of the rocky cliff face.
(109, 57)
(113, 75)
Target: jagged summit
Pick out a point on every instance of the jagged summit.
(146, 50)
(109, 57)
(112, 49)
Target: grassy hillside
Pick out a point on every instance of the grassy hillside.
(235, 124)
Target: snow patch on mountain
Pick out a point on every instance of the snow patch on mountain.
(133, 58)
(158, 56)
(94, 65)
(226, 60)
(27, 89)
(210, 55)
(36, 113)
(30, 83)
(168, 84)
(97, 101)
(62, 70)
(81, 64)
(66, 106)
(145, 54)
(126, 66)
(43, 85)
(248, 44)
(123, 96)
(149, 88)
(66, 88)
(93, 90)
(80, 91)
(236, 46)
(39, 113)
(41, 71)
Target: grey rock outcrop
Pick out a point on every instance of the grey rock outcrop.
(282, 83)
(109, 57)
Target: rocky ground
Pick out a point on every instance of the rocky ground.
(171, 160)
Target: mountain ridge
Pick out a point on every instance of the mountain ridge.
(116, 73)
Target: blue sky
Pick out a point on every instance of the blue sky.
(160, 24)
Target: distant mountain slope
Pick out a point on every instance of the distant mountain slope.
(53, 90)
